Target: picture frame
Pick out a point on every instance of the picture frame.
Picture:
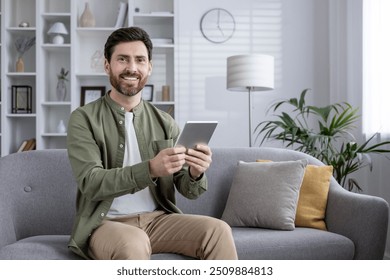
(91, 93)
(21, 99)
(147, 93)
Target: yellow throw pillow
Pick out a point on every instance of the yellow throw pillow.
(313, 196)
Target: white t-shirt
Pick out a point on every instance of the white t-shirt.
(141, 201)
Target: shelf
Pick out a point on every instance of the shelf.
(49, 46)
(82, 45)
(163, 102)
(154, 15)
(53, 134)
(33, 115)
(21, 74)
(56, 103)
(21, 29)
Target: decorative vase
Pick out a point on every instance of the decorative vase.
(61, 128)
(61, 90)
(87, 19)
(20, 65)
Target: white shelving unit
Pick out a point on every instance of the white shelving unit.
(82, 45)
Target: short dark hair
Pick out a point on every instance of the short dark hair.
(127, 34)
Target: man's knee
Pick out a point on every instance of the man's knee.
(133, 247)
(119, 242)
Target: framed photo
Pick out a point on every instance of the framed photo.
(21, 99)
(89, 94)
(147, 93)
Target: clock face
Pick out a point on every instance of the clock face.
(217, 25)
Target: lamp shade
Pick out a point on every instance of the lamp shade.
(58, 28)
(252, 71)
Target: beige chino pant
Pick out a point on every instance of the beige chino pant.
(137, 237)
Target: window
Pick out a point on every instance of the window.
(376, 63)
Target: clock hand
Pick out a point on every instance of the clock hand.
(218, 23)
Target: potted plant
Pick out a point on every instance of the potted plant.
(22, 45)
(61, 85)
(323, 132)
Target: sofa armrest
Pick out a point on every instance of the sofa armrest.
(362, 218)
(7, 229)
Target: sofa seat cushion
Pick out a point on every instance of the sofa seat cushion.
(300, 244)
(41, 247)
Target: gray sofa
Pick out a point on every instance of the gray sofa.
(37, 206)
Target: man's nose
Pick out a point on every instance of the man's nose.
(131, 66)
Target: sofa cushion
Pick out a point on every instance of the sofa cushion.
(313, 197)
(299, 244)
(41, 247)
(265, 194)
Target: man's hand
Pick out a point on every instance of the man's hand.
(199, 160)
(167, 162)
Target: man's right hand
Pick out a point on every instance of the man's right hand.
(167, 162)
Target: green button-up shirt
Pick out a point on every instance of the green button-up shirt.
(96, 145)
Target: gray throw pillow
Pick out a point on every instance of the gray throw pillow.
(265, 194)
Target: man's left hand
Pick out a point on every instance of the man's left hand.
(198, 160)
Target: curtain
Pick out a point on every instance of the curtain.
(376, 61)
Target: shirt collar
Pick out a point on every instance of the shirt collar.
(116, 107)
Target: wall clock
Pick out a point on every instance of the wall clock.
(217, 25)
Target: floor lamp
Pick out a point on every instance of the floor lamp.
(249, 73)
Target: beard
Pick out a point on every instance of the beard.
(123, 87)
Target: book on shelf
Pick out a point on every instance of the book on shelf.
(122, 11)
(27, 145)
(22, 146)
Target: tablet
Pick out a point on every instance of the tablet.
(196, 132)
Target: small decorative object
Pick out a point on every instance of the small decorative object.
(87, 19)
(97, 61)
(147, 93)
(24, 24)
(58, 29)
(61, 85)
(22, 45)
(89, 94)
(21, 99)
(165, 93)
(61, 128)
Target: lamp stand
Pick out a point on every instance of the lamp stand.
(250, 115)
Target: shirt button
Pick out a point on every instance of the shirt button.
(122, 108)
(102, 214)
(121, 146)
(120, 122)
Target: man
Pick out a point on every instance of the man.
(122, 155)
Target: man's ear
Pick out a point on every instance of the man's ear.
(150, 68)
(106, 66)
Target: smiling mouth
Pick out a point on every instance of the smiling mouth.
(132, 78)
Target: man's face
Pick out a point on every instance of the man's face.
(129, 67)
